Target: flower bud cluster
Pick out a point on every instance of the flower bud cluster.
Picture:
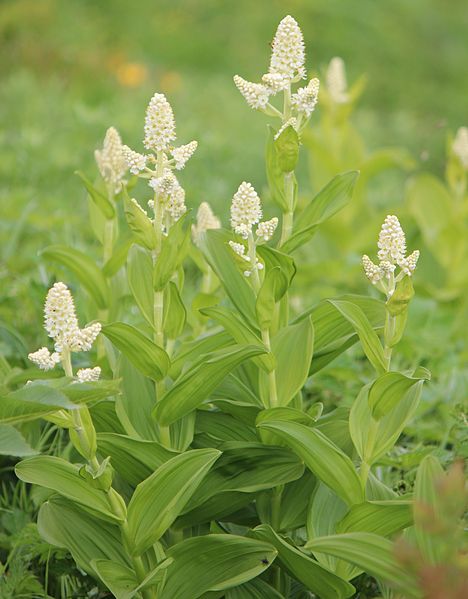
(88, 375)
(111, 161)
(287, 66)
(239, 249)
(206, 220)
(392, 254)
(337, 86)
(61, 324)
(460, 146)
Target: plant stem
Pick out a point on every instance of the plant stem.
(275, 523)
(389, 331)
(288, 216)
(271, 375)
(368, 451)
(253, 263)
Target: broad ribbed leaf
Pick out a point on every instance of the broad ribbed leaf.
(388, 390)
(64, 478)
(31, 402)
(372, 553)
(145, 355)
(159, 499)
(380, 517)
(119, 579)
(140, 280)
(214, 563)
(13, 443)
(101, 201)
(63, 524)
(313, 575)
(196, 385)
(322, 457)
(84, 269)
(369, 340)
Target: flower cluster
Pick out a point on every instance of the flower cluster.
(287, 66)
(246, 211)
(206, 220)
(111, 160)
(460, 146)
(158, 166)
(61, 324)
(337, 86)
(391, 253)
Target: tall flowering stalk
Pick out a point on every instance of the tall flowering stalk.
(287, 68)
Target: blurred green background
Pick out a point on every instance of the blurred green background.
(70, 69)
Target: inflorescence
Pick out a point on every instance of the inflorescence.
(287, 66)
(61, 324)
(460, 146)
(111, 161)
(392, 254)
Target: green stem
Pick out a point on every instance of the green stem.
(271, 375)
(368, 451)
(158, 318)
(389, 332)
(137, 562)
(288, 216)
(253, 263)
(275, 523)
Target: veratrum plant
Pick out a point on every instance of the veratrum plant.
(200, 465)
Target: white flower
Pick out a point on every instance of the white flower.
(292, 122)
(239, 249)
(408, 265)
(392, 241)
(87, 375)
(256, 94)
(460, 146)
(288, 56)
(246, 209)
(206, 220)
(305, 99)
(110, 160)
(183, 153)
(135, 162)
(44, 359)
(266, 229)
(371, 270)
(159, 124)
(176, 202)
(336, 81)
(170, 193)
(165, 184)
(85, 338)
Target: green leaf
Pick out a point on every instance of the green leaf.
(145, 355)
(369, 340)
(119, 255)
(195, 386)
(330, 199)
(101, 201)
(403, 294)
(139, 223)
(373, 554)
(64, 478)
(84, 269)
(134, 459)
(63, 524)
(383, 518)
(223, 427)
(255, 589)
(291, 374)
(13, 443)
(287, 149)
(426, 508)
(275, 175)
(272, 290)
(159, 499)
(240, 332)
(175, 314)
(322, 457)
(119, 579)
(274, 258)
(31, 402)
(215, 562)
(388, 390)
(248, 468)
(218, 254)
(313, 575)
(140, 280)
(173, 250)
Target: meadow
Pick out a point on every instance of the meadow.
(252, 380)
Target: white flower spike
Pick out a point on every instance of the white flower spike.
(88, 375)
(305, 99)
(246, 210)
(460, 146)
(183, 153)
(255, 94)
(61, 324)
(392, 241)
(135, 162)
(159, 124)
(267, 229)
(206, 220)
(336, 81)
(288, 53)
(111, 161)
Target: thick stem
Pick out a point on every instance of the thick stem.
(288, 216)
(389, 332)
(368, 451)
(271, 375)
